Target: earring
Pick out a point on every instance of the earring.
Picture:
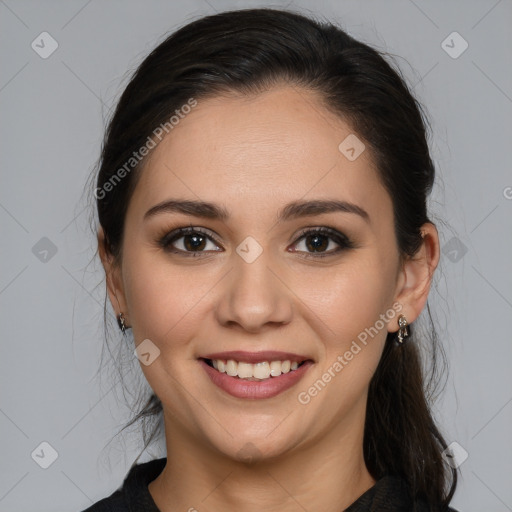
(121, 323)
(403, 329)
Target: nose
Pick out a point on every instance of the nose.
(253, 297)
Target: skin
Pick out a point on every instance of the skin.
(252, 156)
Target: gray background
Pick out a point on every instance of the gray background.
(53, 114)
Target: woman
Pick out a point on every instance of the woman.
(263, 227)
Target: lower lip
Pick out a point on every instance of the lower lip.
(253, 389)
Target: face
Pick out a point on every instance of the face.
(251, 237)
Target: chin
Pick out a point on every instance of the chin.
(251, 450)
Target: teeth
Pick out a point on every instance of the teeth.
(276, 368)
(232, 368)
(245, 370)
(258, 371)
(261, 370)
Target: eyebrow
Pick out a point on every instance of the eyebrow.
(293, 210)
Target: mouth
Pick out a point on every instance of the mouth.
(255, 375)
(253, 372)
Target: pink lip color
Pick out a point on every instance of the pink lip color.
(268, 388)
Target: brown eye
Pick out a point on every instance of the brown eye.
(189, 240)
(316, 243)
(322, 242)
(194, 242)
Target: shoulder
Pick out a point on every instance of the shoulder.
(421, 506)
(391, 494)
(133, 495)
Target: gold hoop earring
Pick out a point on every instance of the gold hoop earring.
(121, 322)
(403, 329)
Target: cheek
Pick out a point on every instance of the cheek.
(350, 297)
(349, 302)
(164, 300)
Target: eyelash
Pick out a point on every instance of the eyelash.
(339, 238)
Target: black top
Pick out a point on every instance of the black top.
(389, 494)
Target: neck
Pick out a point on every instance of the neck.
(328, 475)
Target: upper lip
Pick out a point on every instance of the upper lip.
(257, 357)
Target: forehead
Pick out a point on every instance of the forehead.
(265, 149)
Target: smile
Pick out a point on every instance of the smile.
(259, 371)
(255, 375)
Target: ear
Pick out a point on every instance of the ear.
(113, 277)
(416, 275)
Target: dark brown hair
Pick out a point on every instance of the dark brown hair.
(249, 51)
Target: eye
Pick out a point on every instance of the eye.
(189, 240)
(317, 242)
(320, 242)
